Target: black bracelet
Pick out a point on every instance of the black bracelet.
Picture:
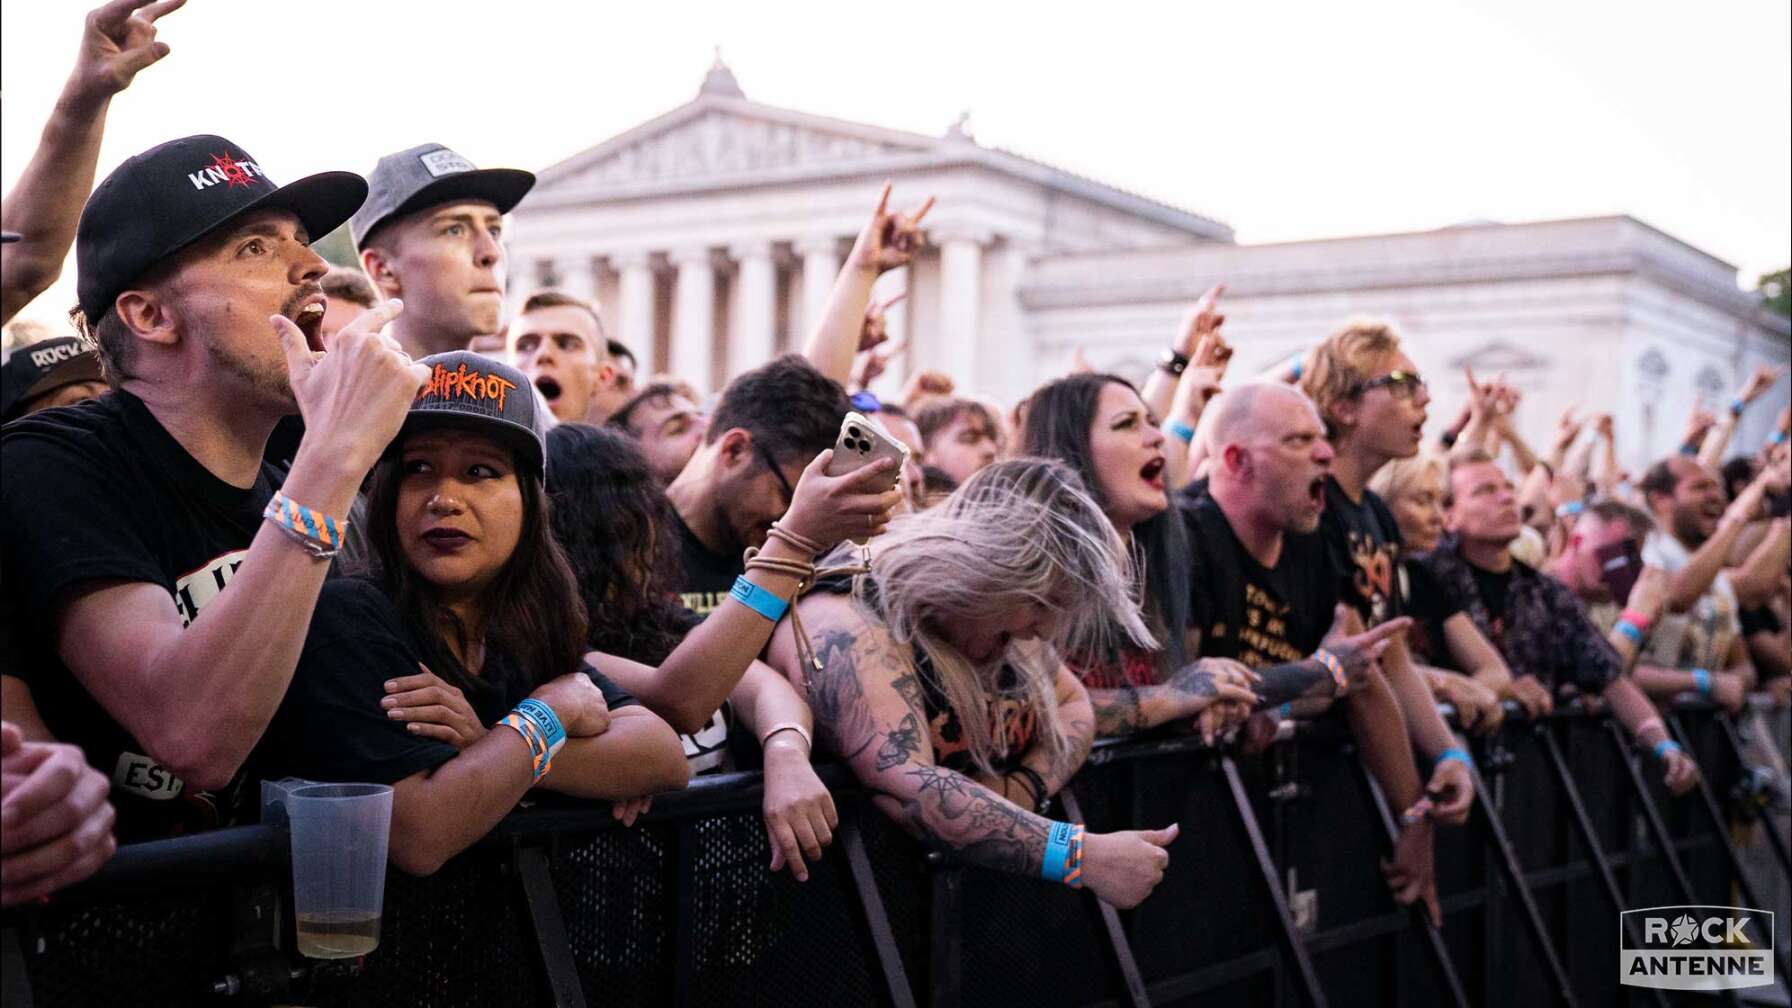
(1448, 438)
(1034, 784)
(1173, 362)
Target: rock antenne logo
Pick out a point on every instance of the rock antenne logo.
(1703, 948)
(1683, 930)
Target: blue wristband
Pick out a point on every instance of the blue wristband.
(758, 599)
(1630, 630)
(1737, 406)
(1689, 450)
(1057, 853)
(1180, 430)
(1300, 367)
(1569, 509)
(1778, 437)
(1666, 746)
(1285, 711)
(545, 719)
(1701, 678)
(1456, 754)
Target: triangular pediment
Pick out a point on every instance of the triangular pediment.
(717, 138)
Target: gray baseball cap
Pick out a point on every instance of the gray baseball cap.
(430, 175)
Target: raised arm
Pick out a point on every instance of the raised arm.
(1759, 576)
(1203, 319)
(1717, 439)
(888, 241)
(45, 204)
(1695, 578)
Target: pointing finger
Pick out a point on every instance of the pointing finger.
(299, 357)
(883, 200)
(915, 221)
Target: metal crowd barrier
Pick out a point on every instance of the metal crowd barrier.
(1273, 896)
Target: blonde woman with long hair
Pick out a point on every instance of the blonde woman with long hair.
(938, 677)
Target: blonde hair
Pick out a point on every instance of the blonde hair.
(1401, 475)
(1022, 531)
(1336, 369)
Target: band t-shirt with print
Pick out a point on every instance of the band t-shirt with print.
(101, 492)
(1256, 615)
(705, 575)
(1702, 636)
(1363, 542)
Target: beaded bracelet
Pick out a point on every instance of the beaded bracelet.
(319, 533)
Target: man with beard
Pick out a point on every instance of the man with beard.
(772, 421)
(558, 341)
(1254, 546)
(1534, 620)
(127, 517)
(431, 233)
(1698, 644)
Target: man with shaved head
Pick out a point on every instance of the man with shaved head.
(1266, 593)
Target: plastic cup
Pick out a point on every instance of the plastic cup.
(339, 834)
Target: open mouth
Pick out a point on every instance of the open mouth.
(1316, 492)
(308, 315)
(1152, 472)
(550, 388)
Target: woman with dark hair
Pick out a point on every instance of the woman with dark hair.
(1099, 426)
(702, 675)
(469, 612)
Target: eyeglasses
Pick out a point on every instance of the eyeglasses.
(1403, 384)
(772, 464)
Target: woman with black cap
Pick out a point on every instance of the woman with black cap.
(454, 670)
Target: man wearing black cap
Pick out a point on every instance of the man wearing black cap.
(126, 517)
(431, 233)
(52, 372)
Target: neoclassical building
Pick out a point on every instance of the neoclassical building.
(711, 234)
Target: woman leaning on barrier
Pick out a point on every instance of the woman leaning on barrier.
(454, 671)
(701, 674)
(935, 674)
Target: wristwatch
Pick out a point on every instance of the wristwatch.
(1173, 362)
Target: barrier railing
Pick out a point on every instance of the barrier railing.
(1273, 896)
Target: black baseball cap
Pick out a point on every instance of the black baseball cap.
(168, 197)
(44, 366)
(473, 391)
(429, 175)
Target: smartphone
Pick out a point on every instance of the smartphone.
(862, 442)
(1620, 564)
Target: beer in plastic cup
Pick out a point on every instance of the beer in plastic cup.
(339, 834)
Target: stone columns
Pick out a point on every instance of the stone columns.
(635, 313)
(578, 276)
(693, 316)
(821, 260)
(961, 292)
(753, 339)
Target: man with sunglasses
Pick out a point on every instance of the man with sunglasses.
(771, 422)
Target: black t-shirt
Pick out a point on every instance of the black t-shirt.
(99, 491)
(330, 726)
(1247, 612)
(1430, 604)
(706, 574)
(1363, 542)
(1758, 620)
(1492, 586)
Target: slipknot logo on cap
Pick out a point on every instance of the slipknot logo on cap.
(464, 384)
(226, 169)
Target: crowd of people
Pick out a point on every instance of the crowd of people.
(267, 518)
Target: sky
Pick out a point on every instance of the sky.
(1287, 121)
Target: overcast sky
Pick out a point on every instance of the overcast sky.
(1286, 121)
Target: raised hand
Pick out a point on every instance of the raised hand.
(889, 240)
(1700, 421)
(1203, 319)
(855, 505)
(119, 41)
(1567, 429)
(355, 397)
(874, 332)
(1764, 378)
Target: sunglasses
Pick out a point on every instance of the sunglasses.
(1404, 384)
(772, 464)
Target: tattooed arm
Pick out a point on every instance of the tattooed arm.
(1188, 691)
(1079, 734)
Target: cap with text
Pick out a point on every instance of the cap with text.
(168, 197)
(43, 367)
(429, 175)
(474, 392)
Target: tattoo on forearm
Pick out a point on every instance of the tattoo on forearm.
(1192, 680)
(836, 698)
(900, 743)
(960, 815)
(1283, 683)
(1117, 711)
